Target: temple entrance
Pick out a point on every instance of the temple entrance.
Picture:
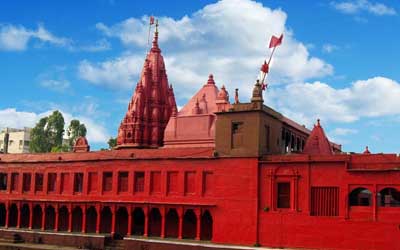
(3, 214)
(37, 217)
(106, 220)
(155, 222)
(121, 222)
(206, 226)
(77, 219)
(50, 218)
(172, 224)
(91, 220)
(63, 219)
(138, 221)
(25, 216)
(13, 216)
(189, 224)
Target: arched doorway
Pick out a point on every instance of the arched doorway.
(50, 218)
(25, 215)
(389, 197)
(172, 224)
(155, 222)
(106, 220)
(138, 221)
(121, 222)
(91, 220)
(360, 197)
(77, 219)
(63, 220)
(13, 216)
(3, 214)
(206, 226)
(189, 225)
(37, 217)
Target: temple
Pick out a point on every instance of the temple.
(214, 175)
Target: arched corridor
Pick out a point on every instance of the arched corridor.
(189, 224)
(3, 214)
(37, 217)
(172, 224)
(138, 221)
(206, 226)
(106, 220)
(77, 219)
(121, 222)
(63, 219)
(50, 218)
(155, 222)
(13, 216)
(25, 216)
(91, 220)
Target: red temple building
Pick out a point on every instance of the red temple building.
(213, 175)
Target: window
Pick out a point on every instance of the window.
(389, 197)
(10, 142)
(324, 201)
(283, 195)
(107, 181)
(38, 182)
(3, 181)
(64, 182)
(123, 181)
(78, 183)
(156, 182)
(139, 181)
(26, 187)
(208, 183)
(93, 182)
(190, 182)
(172, 182)
(51, 182)
(14, 181)
(360, 197)
(237, 134)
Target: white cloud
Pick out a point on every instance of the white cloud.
(10, 117)
(343, 131)
(329, 48)
(16, 38)
(305, 102)
(56, 85)
(228, 38)
(100, 45)
(355, 7)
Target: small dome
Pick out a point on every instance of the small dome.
(211, 79)
(223, 94)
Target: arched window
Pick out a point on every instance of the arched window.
(63, 216)
(37, 215)
(155, 222)
(172, 224)
(77, 219)
(138, 221)
(25, 214)
(50, 218)
(360, 197)
(189, 224)
(206, 226)
(121, 222)
(105, 220)
(91, 220)
(389, 197)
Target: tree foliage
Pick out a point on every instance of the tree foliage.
(48, 133)
(112, 142)
(75, 130)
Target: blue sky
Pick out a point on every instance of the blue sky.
(338, 62)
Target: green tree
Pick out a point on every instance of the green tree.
(75, 129)
(48, 133)
(112, 142)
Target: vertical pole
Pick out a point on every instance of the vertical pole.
(98, 218)
(30, 216)
(7, 214)
(198, 223)
(84, 219)
(180, 230)
(19, 214)
(57, 216)
(70, 218)
(113, 220)
(43, 216)
(129, 233)
(146, 222)
(163, 222)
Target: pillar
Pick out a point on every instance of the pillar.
(163, 222)
(70, 218)
(57, 218)
(198, 223)
(43, 217)
(146, 222)
(30, 215)
(7, 214)
(374, 203)
(129, 233)
(180, 229)
(113, 219)
(84, 219)
(98, 211)
(19, 215)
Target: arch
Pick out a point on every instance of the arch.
(3, 214)
(91, 220)
(105, 220)
(63, 219)
(389, 197)
(155, 222)
(138, 221)
(121, 222)
(189, 224)
(25, 215)
(206, 226)
(172, 224)
(360, 197)
(37, 216)
(13, 215)
(77, 219)
(50, 218)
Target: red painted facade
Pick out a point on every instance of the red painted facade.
(287, 193)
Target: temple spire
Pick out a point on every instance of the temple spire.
(155, 47)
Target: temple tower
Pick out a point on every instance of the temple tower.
(151, 106)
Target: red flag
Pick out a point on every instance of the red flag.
(151, 20)
(265, 67)
(275, 41)
(264, 86)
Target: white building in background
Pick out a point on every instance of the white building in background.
(13, 141)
